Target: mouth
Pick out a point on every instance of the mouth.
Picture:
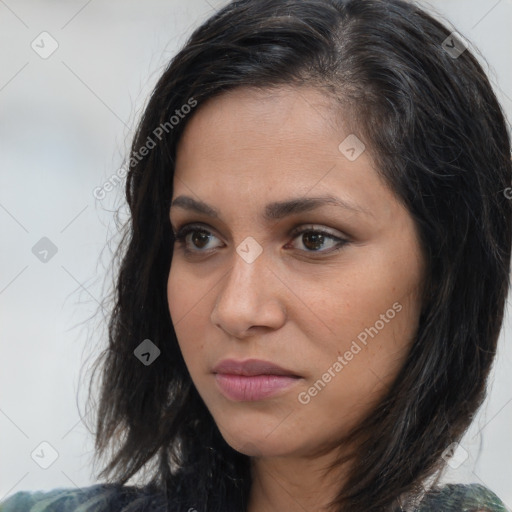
(252, 367)
(252, 380)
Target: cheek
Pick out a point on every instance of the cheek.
(346, 386)
(187, 298)
(184, 293)
(173, 295)
(346, 308)
(372, 316)
(180, 298)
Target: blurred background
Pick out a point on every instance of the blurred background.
(74, 78)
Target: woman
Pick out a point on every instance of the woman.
(314, 275)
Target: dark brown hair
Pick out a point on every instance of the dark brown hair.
(439, 139)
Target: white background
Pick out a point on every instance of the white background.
(65, 124)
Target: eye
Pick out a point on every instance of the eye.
(311, 239)
(200, 238)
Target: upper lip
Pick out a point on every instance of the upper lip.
(251, 367)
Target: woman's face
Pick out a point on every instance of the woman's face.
(339, 316)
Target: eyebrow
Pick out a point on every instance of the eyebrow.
(276, 210)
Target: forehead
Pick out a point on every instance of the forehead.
(249, 118)
(280, 143)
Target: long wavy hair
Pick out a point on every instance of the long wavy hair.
(438, 136)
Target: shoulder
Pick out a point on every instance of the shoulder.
(460, 497)
(96, 498)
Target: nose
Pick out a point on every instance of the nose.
(250, 298)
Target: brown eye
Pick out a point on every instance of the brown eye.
(198, 240)
(312, 240)
(315, 240)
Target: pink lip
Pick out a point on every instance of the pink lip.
(252, 379)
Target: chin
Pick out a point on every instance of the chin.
(259, 447)
(253, 441)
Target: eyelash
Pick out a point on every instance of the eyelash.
(182, 233)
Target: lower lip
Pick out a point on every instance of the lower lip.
(252, 388)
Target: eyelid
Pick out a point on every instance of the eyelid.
(192, 226)
(318, 228)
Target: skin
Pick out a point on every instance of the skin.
(298, 304)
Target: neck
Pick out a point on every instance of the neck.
(287, 484)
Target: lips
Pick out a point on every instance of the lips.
(253, 379)
(251, 367)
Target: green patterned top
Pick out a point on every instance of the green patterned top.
(116, 498)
